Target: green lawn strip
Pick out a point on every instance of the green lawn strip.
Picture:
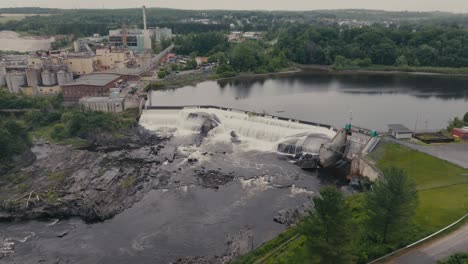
(441, 206)
(427, 171)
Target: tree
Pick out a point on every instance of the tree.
(391, 204)
(327, 230)
(401, 61)
(191, 64)
(162, 74)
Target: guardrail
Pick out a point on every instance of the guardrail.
(242, 111)
(419, 241)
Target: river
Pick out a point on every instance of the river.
(186, 218)
(375, 100)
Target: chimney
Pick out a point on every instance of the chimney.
(124, 34)
(147, 40)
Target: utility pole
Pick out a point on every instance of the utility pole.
(416, 123)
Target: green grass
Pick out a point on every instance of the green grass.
(127, 182)
(269, 247)
(45, 133)
(427, 171)
(443, 195)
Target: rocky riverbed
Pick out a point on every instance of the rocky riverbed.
(92, 184)
(149, 197)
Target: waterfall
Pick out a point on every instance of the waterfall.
(262, 131)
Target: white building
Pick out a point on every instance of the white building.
(399, 131)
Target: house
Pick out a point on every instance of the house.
(399, 131)
(461, 133)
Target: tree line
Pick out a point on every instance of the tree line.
(396, 46)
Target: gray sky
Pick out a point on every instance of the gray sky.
(459, 6)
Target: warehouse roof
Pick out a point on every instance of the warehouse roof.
(94, 80)
(399, 128)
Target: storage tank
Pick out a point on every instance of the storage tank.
(48, 78)
(15, 81)
(2, 76)
(33, 77)
(64, 77)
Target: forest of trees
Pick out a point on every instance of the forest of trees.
(247, 56)
(425, 46)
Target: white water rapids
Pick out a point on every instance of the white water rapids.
(255, 132)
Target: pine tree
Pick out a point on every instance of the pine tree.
(391, 204)
(327, 229)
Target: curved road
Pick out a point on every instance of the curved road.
(438, 249)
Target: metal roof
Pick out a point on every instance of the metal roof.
(94, 80)
(101, 100)
(399, 128)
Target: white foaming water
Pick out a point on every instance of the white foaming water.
(296, 191)
(255, 132)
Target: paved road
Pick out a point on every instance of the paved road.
(454, 153)
(439, 249)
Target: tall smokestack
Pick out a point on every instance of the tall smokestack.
(124, 34)
(147, 40)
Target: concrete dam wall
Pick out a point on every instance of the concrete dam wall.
(252, 130)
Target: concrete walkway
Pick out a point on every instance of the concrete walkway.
(439, 249)
(453, 153)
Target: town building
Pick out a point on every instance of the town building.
(111, 58)
(103, 104)
(399, 131)
(90, 85)
(461, 133)
(81, 64)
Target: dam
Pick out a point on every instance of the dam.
(247, 129)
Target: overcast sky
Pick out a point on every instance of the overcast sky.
(459, 6)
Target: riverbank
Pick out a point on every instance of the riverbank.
(388, 69)
(195, 77)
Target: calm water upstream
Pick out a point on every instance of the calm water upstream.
(429, 101)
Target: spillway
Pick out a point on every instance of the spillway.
(257, 131)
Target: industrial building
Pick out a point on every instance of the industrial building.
(103, 104)
(89, 85)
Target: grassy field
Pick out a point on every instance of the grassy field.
(443, 187)
(443, 198)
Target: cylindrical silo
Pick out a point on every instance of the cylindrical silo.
(15, 81)
(48, 78)
(2, 75)
(33, 77)
(64, 77)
